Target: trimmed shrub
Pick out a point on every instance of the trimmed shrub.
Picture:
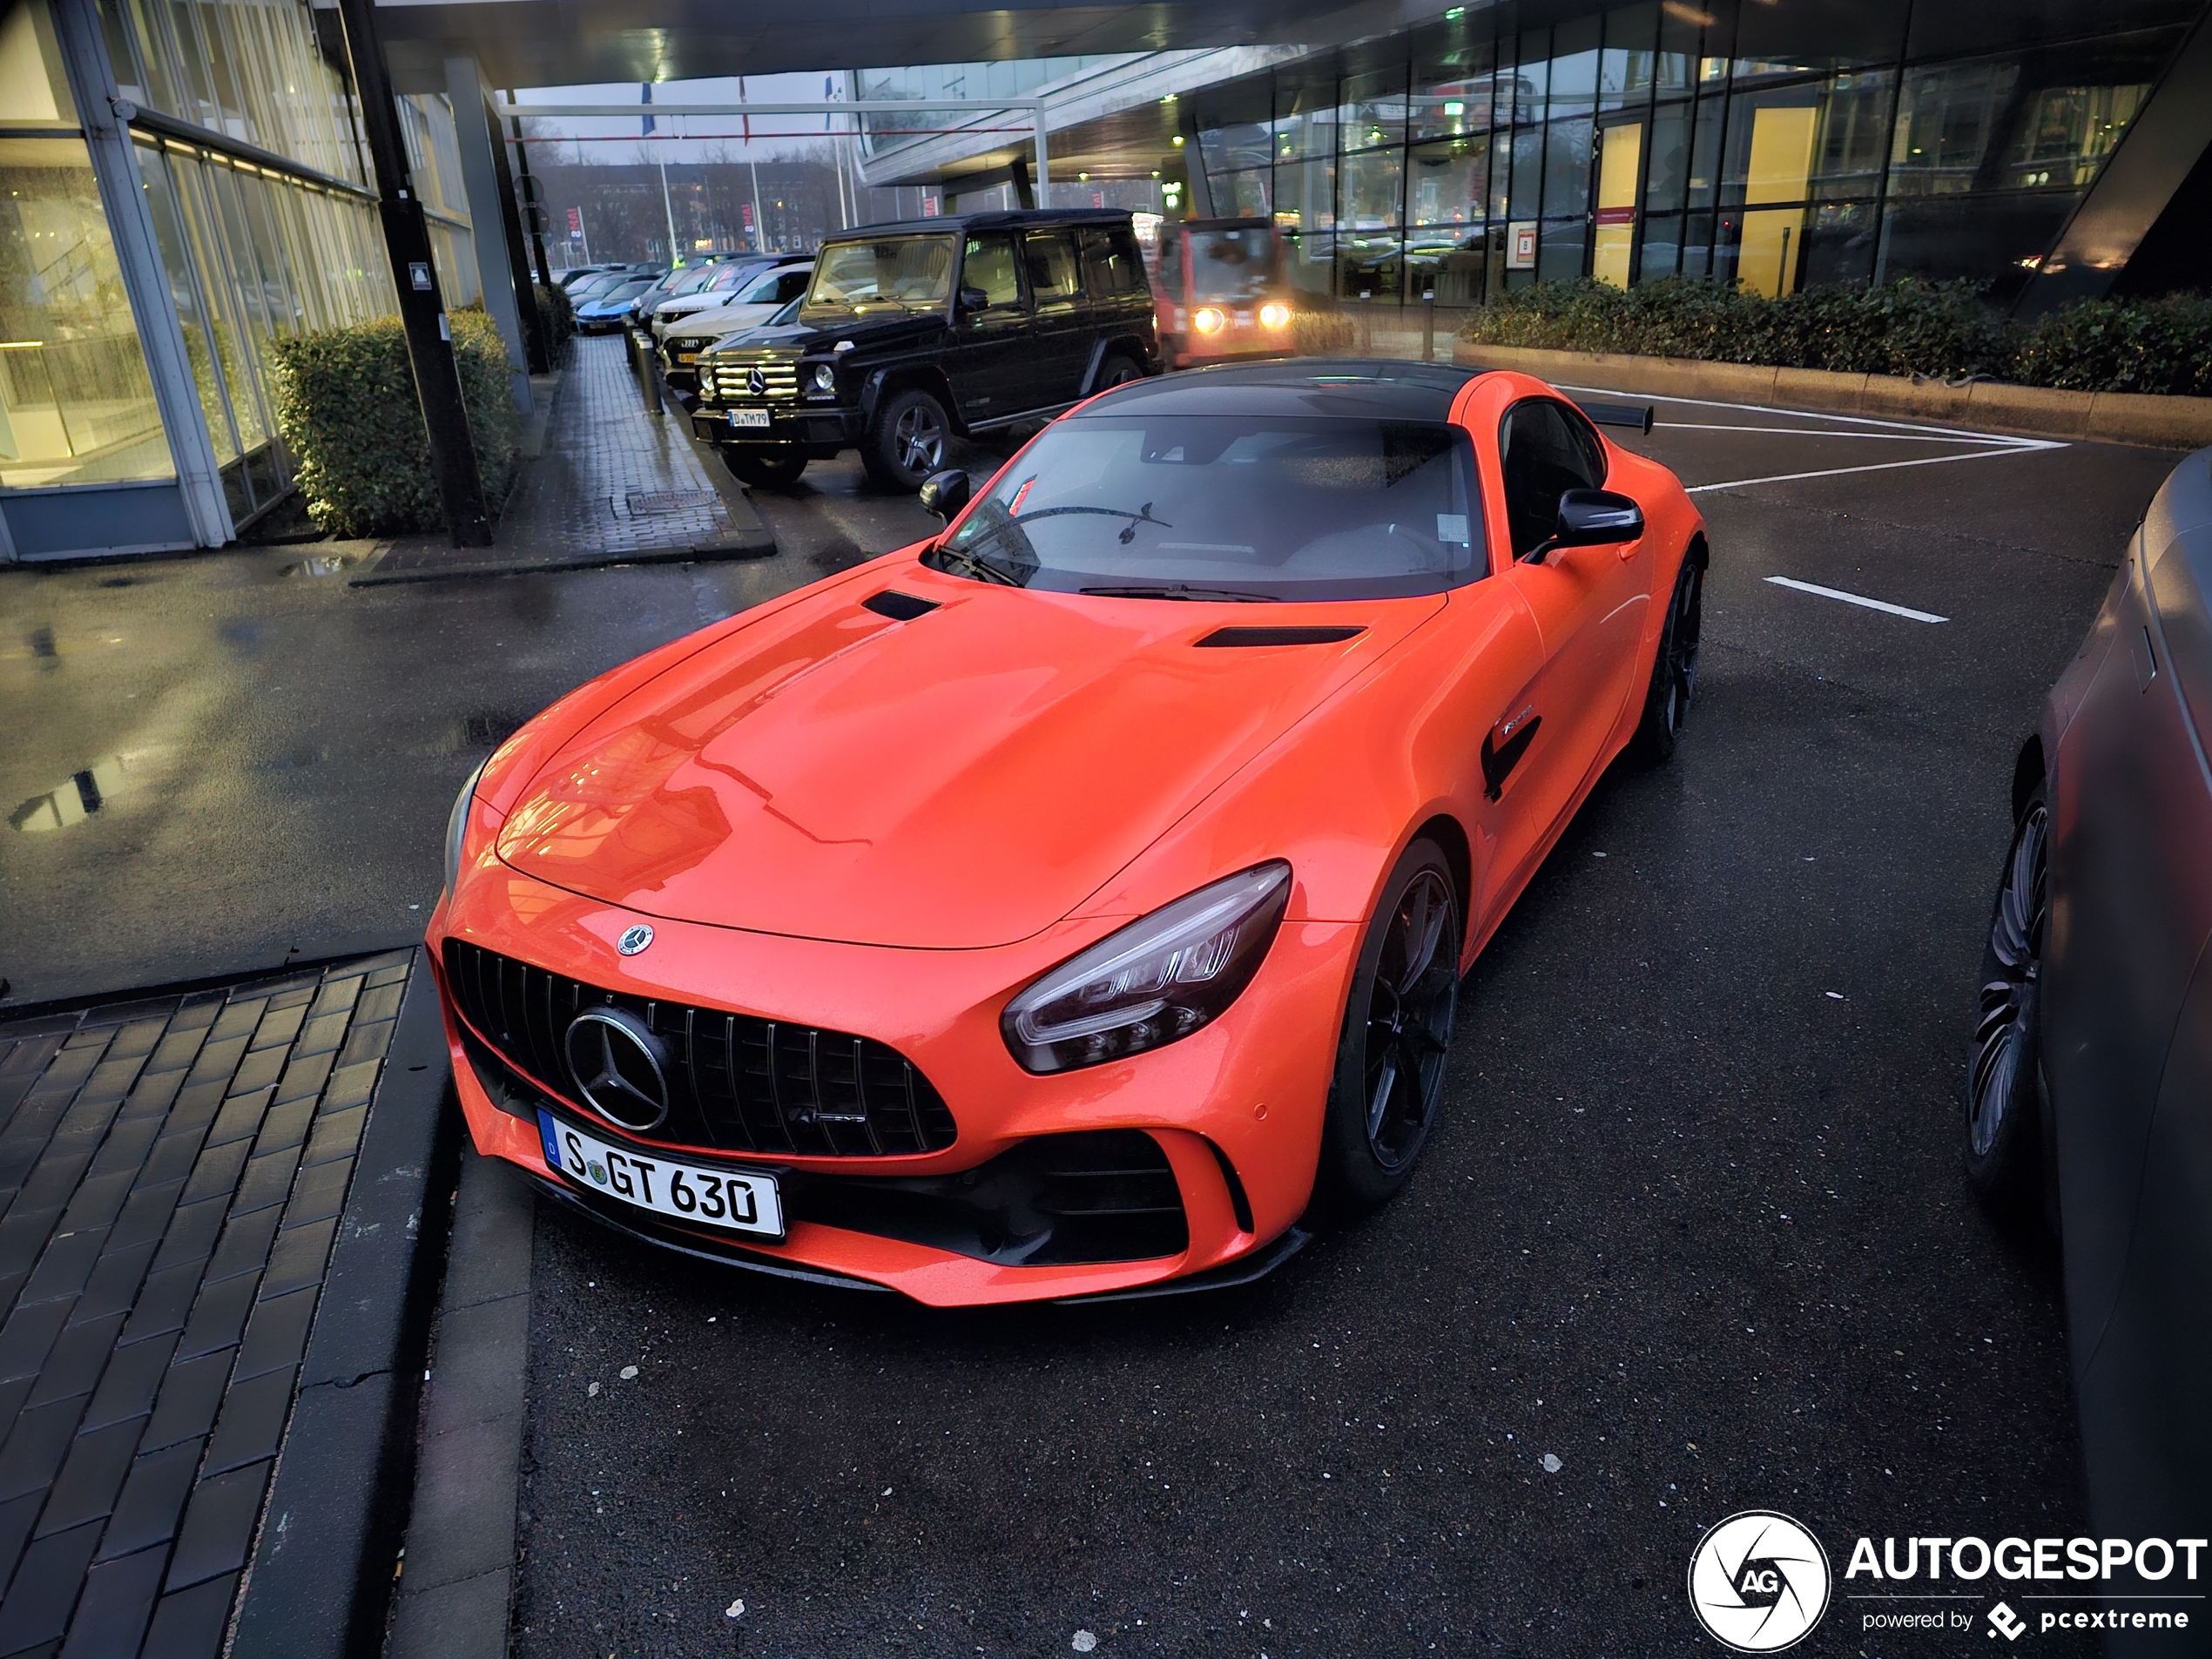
(346, 405)
(1938, 329)
(556, 316)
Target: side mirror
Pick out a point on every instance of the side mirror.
(1596, 518)
(973, 300)
(944, 493)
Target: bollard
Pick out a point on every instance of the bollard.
(648, 371)
(1428, 325)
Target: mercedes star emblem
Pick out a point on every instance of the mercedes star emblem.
(616, 1061)
(634, 938)
(756, 382)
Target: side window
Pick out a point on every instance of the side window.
(1544, 455)
(793, 283)
(1053, 273)
(1110, 264)
(989, 265)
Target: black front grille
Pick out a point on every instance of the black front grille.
(736, 1082)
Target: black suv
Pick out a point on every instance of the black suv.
(915, 331)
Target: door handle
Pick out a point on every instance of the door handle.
(1507, 742)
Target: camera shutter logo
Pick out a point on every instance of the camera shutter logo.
(616, 1063)
(1758, 1581)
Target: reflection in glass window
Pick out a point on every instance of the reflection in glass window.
(34, 88)
(76, 403)
(1625, 68)
(1452, 93)
(1567, 167)
(1947, 121)
(1373, 108)
(2067, 133)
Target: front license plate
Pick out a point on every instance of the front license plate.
(687, 357)
(737, 1203)
(748, 417)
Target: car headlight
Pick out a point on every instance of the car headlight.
(457, 827)
(825, 378)
(1156, 980)
(1208, 319)
(1275, 315)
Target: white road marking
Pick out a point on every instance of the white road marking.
(1817, 431)
(2007, 439)
(1878, 466)
(1857, 599)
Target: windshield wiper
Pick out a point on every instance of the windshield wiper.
(982, 568)
(1178, 590)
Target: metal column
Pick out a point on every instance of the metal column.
(406, 238)
(496, 262)
(153, 306)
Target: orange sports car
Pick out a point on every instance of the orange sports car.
(1069, 905)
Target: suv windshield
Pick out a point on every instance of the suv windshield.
(1233, 265)
(1229, 507)
(898, 274)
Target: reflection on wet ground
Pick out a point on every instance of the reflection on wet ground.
(85, 793)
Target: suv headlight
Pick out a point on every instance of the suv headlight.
(825, 378)
(1156, 980)
(457, 826)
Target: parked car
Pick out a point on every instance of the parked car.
(685, 279)
(608, 312)
(2089, 1094)
(936, 327)
(760, 299)
(1224, 291)
(736, 273)
(1066, 905)
(576, 273)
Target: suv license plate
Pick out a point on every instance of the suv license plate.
(687, 357)
(742, 1203)
(748, 417)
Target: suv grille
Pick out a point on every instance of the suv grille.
(733, 377)
(736, 1082)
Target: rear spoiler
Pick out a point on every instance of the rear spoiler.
(1629, 415)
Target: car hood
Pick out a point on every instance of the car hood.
(962, 780)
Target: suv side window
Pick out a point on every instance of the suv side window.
(1110, 264)
(989, 265)
(1545, 453)
(1053, 272)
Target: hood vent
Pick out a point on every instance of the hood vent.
(1311, 636)
(900, 607)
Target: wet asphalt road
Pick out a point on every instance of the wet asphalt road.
(1692, 1225)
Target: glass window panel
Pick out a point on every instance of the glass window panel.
(1625, 69)
(1305, 196)
(1447, 184)
(1306, 121)
(1946, 123)
(1241, 195)
(1312, 262)
(1679, 35)
(1947, 28)
(1573, 67)
(1969, 236)
(1371, 190)
(1534, 71)
(34, 87)
(1567, 167)
(1697, 237)
(1226, 149)
(1854, 132)
(1661, 254)
(1769, 154)
(1840, 244)
(183, 273)
(1705, 154)
(76, 402)
(1523, 201)
(1454, 92)
(1560, 256)
(1793, 39)
(1370, 263)
(1372, 109)
(1666, 180)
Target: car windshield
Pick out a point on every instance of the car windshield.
(692, 281)
(1233, 265)
(629, 290)
(761, 290)
(898, 274)
(1228, 507)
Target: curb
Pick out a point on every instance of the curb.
(2110, 417)
(321, 1579)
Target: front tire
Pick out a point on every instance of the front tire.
(908, 441)
(1116, 370)
(2005, 1101)
(1397, 1032)
(771, 472)
(1674, 672)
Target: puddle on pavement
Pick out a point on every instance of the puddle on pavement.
(326, 564)
(84, 794)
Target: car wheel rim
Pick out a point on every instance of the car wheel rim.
(920, 439)
(1409, 1021)
(2005, 1036)
(1682, 625)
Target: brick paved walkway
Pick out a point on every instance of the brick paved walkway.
(612, 482)
(172, 1174)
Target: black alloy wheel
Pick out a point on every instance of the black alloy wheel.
(767, 471)
(1118, 370)
(1397, 1035)
(1674, 672)
(909, 440)
(2005, 1100)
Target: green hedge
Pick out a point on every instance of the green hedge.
(1944, 329)
(556, 316)
(346, 405)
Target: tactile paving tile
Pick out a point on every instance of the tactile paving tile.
(170, 1176)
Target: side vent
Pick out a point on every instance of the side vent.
(1313, 636)
(900, 607)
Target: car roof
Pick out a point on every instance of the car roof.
(1008, 218)
(1380, 387)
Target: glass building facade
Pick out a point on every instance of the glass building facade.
(1770, 146)
(246, 153)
